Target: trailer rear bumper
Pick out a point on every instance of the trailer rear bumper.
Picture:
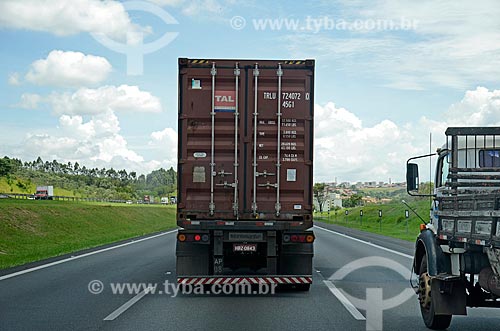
(253, 280)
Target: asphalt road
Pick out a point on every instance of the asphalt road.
(58, 297)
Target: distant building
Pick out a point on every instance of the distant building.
(331, 201)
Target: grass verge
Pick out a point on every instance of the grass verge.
(31, 230)
(394, 222)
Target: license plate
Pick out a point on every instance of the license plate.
(244, 247)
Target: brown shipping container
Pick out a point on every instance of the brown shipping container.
(229, 115)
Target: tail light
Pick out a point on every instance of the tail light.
(298, 238)
(197, 237)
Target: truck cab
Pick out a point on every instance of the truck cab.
(457, 255)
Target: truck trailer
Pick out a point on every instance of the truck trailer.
(44, 192)
(245, 172)
(457, 254)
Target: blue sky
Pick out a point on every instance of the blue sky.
(388, 73)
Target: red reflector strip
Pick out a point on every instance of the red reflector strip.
(443, 237)
(221, 223)
(244, 280)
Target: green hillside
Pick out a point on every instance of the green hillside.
(31, 230)
(23, 186)
(393, 218)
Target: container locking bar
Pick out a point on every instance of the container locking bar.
(223, 173)
(268, 185)
(264, 174)
(236, 116)
(226, 184)
(211, 206)
(255, 122)
(279, 73)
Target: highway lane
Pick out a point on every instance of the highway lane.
(58, 297)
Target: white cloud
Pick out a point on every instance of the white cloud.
(67, 17)
(455, 44)
(73, 69)
(165, 144)
(479, 107)
(198, 7)
(116, 146)
(351, 151)
(167, 2)
(14, 79)
(86, 101)
(213, 10)
(89, 129)
(345, 149)
(96, 142)
(29, 101)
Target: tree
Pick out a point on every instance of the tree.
(39, 163)
(76, 168)
(319, 194)
(5, 166)
(353, 201)
(133, 175)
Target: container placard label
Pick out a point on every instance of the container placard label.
(225, 101)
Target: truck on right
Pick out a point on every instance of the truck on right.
(457, 253)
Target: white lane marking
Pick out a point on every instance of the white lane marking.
(365, 242)
(128, 304)
(344, 301)
(43, 266)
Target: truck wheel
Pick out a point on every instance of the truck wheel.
(431, 320)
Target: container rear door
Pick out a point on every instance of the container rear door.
(233, 117)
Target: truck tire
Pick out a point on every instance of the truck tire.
(431, 320)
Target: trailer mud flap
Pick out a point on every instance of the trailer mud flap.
(296, 259)
(192, 259)
(448, 297)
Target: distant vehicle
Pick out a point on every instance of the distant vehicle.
(164, 200)
(3, 196)
(173, 200)
(457, 257)
(147, 199)
(31, 197)
(128, 202)
(44, 193)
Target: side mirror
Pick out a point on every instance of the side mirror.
(411, 177)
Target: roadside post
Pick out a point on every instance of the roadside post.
(380, 219)
(346, 213)
(328, 213)
(361, 217)
(407, 215)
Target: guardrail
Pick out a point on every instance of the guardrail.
(25, 196)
